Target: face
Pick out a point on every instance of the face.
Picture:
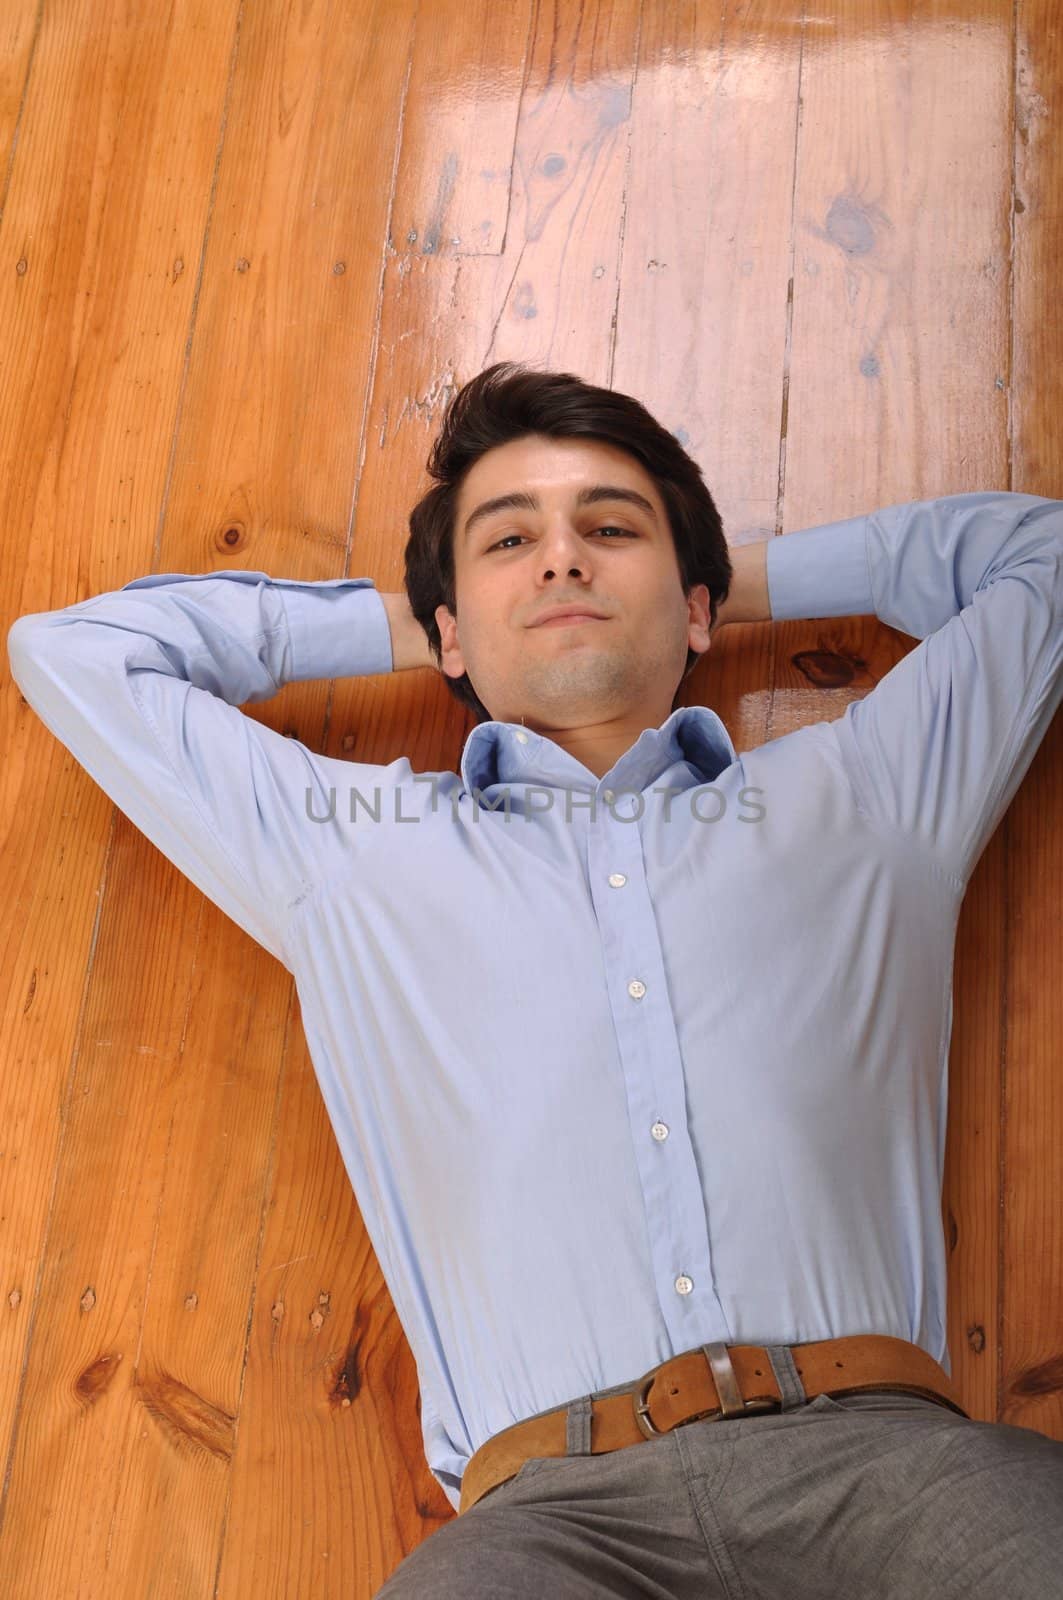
(612, 554)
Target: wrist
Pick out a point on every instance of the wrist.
(747, 599)
(409, 642)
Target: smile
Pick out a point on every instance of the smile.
(568, 622)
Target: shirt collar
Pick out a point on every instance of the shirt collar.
(505, 752)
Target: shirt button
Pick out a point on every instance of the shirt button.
(617, 880)
(683, 1284)
(636, 989)
(660, 1130)
(522, 737)
(608, 796)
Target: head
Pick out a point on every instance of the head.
(652, 559)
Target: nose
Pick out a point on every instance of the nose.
(560, 547)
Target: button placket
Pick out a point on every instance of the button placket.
(671, 1193)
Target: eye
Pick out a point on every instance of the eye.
(626, 533)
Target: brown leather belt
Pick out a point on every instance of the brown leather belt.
(717, 1381)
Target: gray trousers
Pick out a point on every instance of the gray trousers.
(872, 1496)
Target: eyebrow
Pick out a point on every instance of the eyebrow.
(520, 500)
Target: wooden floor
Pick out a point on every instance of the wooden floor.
(246, 254)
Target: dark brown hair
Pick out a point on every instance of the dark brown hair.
(509, 401)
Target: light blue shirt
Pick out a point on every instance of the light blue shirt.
(616, 1066)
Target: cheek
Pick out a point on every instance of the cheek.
(483, 622)
(479, 636)
(663, 614)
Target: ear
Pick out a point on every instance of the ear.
(699, 634)
(453, 662)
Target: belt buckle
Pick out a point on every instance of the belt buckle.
(730, 1395)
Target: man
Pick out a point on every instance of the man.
(635, 1047)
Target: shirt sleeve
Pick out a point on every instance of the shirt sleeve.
(938, 748)
(142, 686)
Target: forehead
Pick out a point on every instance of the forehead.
(554, 468)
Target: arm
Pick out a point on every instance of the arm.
(142, 686)
(747, 598)
(937, 749)
(409, 642)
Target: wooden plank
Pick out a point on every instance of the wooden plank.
(455, 169)
(1031, 1237)
(98, 307)
(548, 298)
(702, 319)
(886, 188)
(164, 1341)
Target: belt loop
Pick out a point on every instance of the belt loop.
(789, 1379)
(578, 1427)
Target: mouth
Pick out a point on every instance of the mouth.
(569, 622)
